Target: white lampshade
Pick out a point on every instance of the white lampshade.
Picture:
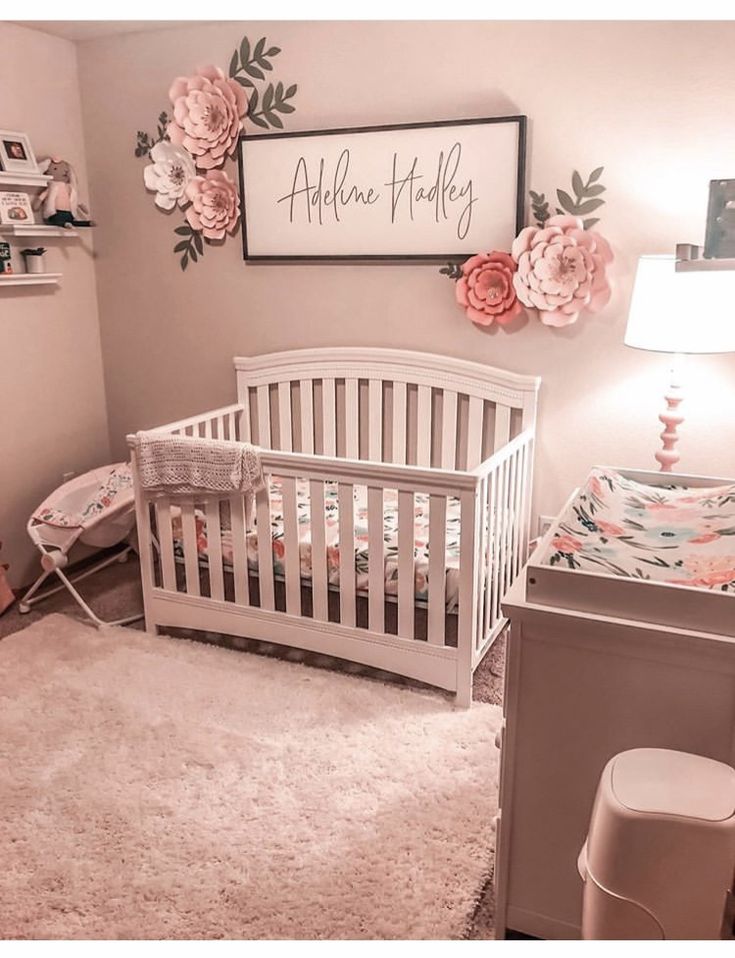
(688, 312)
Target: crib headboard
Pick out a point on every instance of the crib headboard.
(386, 405)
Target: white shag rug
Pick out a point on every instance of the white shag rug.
(161, 788)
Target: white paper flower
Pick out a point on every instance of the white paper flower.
(169, 174)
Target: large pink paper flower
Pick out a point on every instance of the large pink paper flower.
(215, 204)
(485, 289)
(561, 269)
(207, 115)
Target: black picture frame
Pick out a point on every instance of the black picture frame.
(520, 189)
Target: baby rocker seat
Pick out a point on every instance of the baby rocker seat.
(96, 509)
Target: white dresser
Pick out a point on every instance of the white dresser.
(583, 683)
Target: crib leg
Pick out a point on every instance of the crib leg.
(463, 695)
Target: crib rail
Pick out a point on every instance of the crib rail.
(223, 423)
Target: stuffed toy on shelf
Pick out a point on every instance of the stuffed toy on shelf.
(60, 199)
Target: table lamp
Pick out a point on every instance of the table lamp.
(680, 312)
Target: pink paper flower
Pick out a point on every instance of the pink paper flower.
(207, 115)
(561, 269)
(215, 204)
(485, 290)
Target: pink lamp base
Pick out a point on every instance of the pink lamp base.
(671, 418)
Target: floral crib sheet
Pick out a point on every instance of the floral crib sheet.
(331, 504)
(675, 534)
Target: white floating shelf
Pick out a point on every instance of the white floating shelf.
(24, 179)
(29, 279)
(36, 229)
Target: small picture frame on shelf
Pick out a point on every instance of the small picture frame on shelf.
(16, 153)
(15, 209)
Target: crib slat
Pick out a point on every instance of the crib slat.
(512, 513)
(376, 561)
(318, 550)
(423, 423)
(214, 549)
(329, 417)
(284, 416)
(406, 571)
(474, 433)
(231, 430)
(265, 549)
(490, 578)
(306, 389)
(502, 524)
(207, 428)
(469, 519)
(437, 568)
(292, 561)
(238, 530)
(480, 562)
(191, 556)
(245, 433)
(502, 426)
(375, 420)
(166, 543)
(523, 508)
(347, 554)
(449, 429)
(352, 419)
(221, 427)
(264, 417)
(399, 423)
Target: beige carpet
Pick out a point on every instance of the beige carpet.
(158, 788)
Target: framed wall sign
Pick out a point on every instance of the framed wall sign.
(16, 153)
(416, 191)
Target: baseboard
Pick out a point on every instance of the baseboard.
(541, 926)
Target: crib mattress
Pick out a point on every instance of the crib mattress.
(390, 536)
(680, 535)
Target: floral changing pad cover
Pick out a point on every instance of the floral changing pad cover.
(331, 497)
(675, 534)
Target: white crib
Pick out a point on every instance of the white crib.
(425, 436)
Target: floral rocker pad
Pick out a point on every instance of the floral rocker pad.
(681, 535)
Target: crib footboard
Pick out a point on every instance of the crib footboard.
(227, 564)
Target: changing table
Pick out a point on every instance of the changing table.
(622, 635)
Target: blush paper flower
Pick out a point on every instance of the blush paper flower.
(207, 115)
(485, 289)
(169, 174)
(215, 204)
(561, 269)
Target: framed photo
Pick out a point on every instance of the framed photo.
(16, 153)
(719, 240)
(415, 191)
(15, 209)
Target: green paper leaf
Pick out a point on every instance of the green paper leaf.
(268, 98)
(577, 184)
(183, 230)
(273, 52)
(193, 254)
(274, 119)
(244, 51)
(180, 247)
(253, 102)
(253, 71)
(259, 47)
(589, 206)
(184, 261)
(596, 174)
(566, 201)
(265, 64)
(243, 81)
(198, 243)
(284, 107)
(290, 91)
(258, 120)
(234, 64)
(595, 190)
(588, 224)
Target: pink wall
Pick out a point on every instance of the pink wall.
(53, 417)
(649, 101)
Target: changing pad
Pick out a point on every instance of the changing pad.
(675, 534)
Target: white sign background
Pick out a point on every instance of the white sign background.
(422, 191)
